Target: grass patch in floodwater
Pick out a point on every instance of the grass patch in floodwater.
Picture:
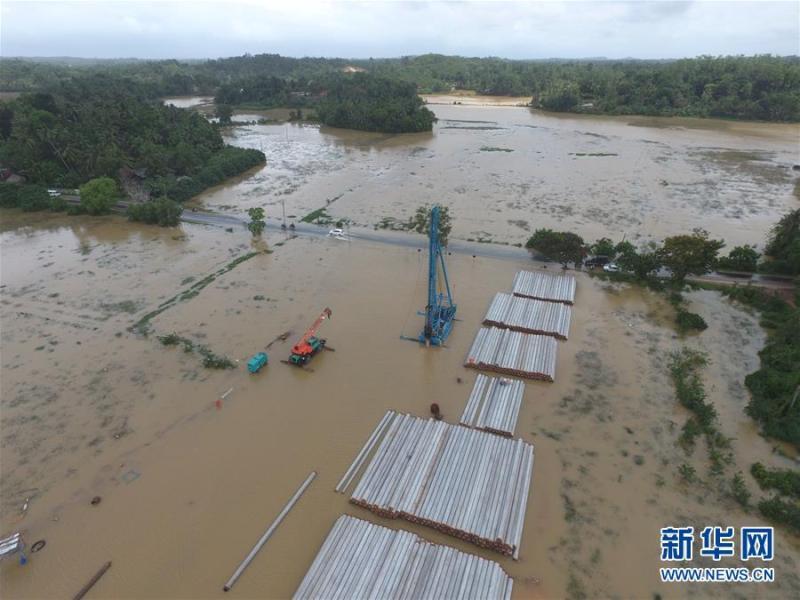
(684, 320)
(495, 149)
(685, 366)
(593, 154)
(318, 217)
(126, 306)
(783, 507)
(143, 325)
(210, 359)
(476, 128)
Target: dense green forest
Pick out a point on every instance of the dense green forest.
(758, 87)
(358, 101)
(95, 125)
(363, 101)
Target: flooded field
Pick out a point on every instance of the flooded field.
(505, 171)
(90, 408)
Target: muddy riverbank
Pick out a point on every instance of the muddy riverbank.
(89, 408)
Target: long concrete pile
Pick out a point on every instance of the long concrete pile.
(529, 316)
(513, 353)
(494, 405)
(467, 483)
(362, 560)
(545, 286)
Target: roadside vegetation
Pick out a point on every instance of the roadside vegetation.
(420, 222)
(163, 212)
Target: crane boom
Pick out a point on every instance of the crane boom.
(311, 331)
(309, 344)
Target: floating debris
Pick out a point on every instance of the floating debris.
(494, 405)
(545, 286)
(464, 482)
(513, 353)
(529, 316)
(363, 560)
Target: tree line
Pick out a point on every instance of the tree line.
(739, 87)
(683, 255)
(775, 387)
(99, 127)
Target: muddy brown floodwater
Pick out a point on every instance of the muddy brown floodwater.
(506, 171)
(91, 409)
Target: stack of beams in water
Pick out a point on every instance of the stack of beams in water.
(494, 405)
(362, 560)
(545, 286)
(529, 316)
(513, 353)
(464, 482)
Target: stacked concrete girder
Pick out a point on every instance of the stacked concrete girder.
(514, 353)
(545, 286)
(494, 405)
(363, 560)
(467, 483)
(529, 316)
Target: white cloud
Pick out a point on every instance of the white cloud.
(182, 29)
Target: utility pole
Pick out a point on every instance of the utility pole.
(283, 206)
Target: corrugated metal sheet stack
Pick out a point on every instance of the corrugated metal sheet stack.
(513, 353)
(494, 405)
(545, 286)
(362, 560)
(467, 483)
(529, 316)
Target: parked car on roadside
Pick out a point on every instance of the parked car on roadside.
(612, 268)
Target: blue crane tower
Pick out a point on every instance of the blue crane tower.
(440, 311)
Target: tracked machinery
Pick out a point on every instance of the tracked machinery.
(309, 345)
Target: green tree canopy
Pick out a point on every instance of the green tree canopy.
(562, 246)
(161, 211)
(257, 223)
(741, 258)
(604, 247)
(370, 103)
(224, 113)
(99, 195)
(784, 245)
(561, 96)
(643, 263)
(421, 222)
(693, 254)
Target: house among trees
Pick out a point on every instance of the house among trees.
(132, 182)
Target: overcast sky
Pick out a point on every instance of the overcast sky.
(199, 29)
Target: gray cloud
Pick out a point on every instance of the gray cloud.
(181, 29)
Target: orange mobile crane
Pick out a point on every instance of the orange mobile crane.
(309, 344)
